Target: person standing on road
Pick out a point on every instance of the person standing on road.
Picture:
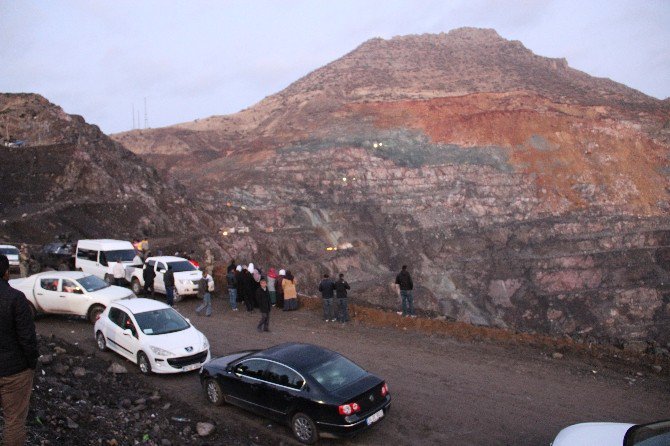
(404, 285)
(119, 271)
(24, 260)
(272, 283)
(341, 287)
(327, 287)
(279, 288)
(264, 305)
(205, 288)
(18, 358)
(290, 292)
(231, 278)
(168, 280)
(148, 274)
(246, 286)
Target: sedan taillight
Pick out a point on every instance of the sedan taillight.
(348, 409)
(385, 389)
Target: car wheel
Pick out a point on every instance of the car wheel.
(214, 392)
(176, 295)
(136, 287)
(94, 313)
(100, 340)
(304, 428)
(143, 363)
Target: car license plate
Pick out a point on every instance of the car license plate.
(188, 368)
(375, 417)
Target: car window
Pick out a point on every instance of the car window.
(49, 284)
(151, 263)
(161, 267)
(125, 255)
(117, 316)
(92, 283)
(71, 287)
(127, 324)
(284, 376)
(336, 373)
(652, 434)
(183, 265)
(157, 322)
(9, 251)
(253, 368)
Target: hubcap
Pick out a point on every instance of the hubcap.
(303, 429)
(144, 367)
(101, 341)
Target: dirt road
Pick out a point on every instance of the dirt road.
(445, 392)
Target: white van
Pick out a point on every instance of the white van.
(97, 257)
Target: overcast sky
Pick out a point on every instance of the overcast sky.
(192, 59)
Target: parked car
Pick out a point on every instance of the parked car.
(98, 257)
(69, 292)
(314, 390)
(186, 276)
(615, 434)
(57, 255)
(153, 335)
(12, 253)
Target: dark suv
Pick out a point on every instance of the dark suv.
(57, 255)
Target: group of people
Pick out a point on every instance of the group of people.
(329, 290)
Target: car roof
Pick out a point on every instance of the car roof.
(140, 305)
(298, 355)
(168, 259)
(64, 274)
(106, 242)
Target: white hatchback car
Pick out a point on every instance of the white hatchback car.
(615, 434)
(153, 335)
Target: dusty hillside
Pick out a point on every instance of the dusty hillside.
(71, 178)
(521, 192)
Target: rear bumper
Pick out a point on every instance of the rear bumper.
(349, 430)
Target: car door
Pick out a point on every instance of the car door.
(118, 339)
(77, 301)
(247, 388)
(49, 296)
(159, 283)
(283, 389)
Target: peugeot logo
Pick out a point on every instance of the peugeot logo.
(189, 349)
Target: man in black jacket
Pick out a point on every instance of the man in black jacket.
(327, 288)
(168, 280)
(341, 287)
(18, 357)
(264, 305)
(149, 275)
(404, 284)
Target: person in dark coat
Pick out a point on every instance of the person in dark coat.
(341, 287)
(149, 274)
(327, 288)
(231, 266)
(246, 286)
(18, 357)
(264, 305)
(168, 280)
(404, 284)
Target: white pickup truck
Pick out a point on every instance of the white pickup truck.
(69, 292)
(186, 276)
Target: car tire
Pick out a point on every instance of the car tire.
(143, 363)
(304, 428)
(94, 312)
(101, 341)
(177, 297)
(136, 286)
(214, 392)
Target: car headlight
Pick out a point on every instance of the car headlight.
(205, 343)
(159, 351)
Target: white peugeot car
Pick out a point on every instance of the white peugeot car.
(615, 434)
(153, 335)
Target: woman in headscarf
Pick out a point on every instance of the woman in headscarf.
(290, 293)
(272, 282)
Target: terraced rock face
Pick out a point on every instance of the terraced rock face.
(522, 193)
(71, 178)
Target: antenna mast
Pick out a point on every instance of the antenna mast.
(146, 116)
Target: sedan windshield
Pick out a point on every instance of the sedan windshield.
(337, 373)
(92, 283)
(184, 265)
(161, 321)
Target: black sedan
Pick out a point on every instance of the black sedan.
(314, 390)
